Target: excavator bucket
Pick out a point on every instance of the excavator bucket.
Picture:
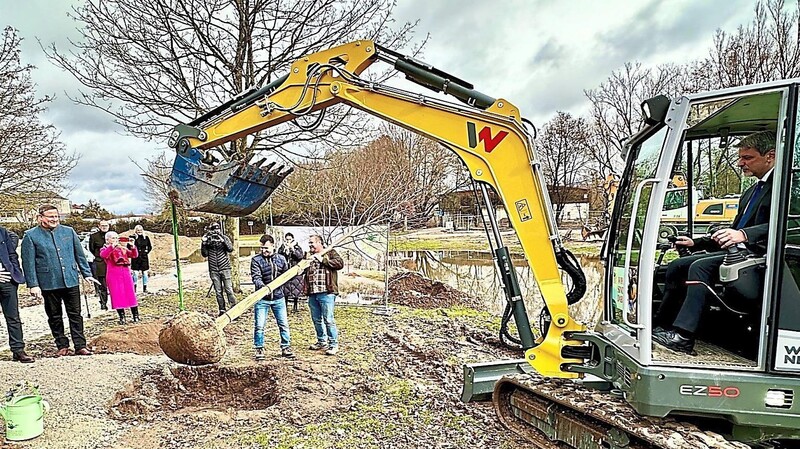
(232, 188)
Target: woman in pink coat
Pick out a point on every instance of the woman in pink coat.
(118, 275)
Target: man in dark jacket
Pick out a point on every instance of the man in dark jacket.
(322, 286)
(291, 250)
(683, 305)
(216, 246)
(10, 278)
(264, 268)
(53, 262)
(96, 242)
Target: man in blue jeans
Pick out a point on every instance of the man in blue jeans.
(264, 268)
(322, 286)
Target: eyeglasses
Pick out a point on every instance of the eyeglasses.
(51, 217)
(265, 247)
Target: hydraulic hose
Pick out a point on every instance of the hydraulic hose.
(567, 261)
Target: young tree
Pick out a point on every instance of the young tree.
(32, 158)
(154, 65)
(358, 187)
(95, 210)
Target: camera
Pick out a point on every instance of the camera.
(212, 236)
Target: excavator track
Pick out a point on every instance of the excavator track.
(563, 414)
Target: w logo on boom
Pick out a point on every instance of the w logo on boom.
(485, 136)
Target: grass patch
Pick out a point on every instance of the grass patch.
(477, 318)
(392, 411)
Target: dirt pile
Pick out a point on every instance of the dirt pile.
(170, 389)
(162, 258)
(139, 339)
(414, 290)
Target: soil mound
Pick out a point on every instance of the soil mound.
(414, 290)
(141, 338)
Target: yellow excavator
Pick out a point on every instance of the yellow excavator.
(604, 387)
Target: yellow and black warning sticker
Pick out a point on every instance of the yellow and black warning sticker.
(523, 210)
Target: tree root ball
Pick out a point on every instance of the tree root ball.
(192, 338)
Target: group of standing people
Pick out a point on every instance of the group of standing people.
(53, 262)
(116, 262)
(319, 282)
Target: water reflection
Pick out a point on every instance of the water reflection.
(474, 272)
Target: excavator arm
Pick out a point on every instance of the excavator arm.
(487, 134)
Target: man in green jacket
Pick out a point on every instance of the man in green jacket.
(53, 261)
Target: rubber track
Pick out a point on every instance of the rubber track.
(599, 411)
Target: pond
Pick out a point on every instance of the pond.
(474, 272)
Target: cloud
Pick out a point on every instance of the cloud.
(540, 55)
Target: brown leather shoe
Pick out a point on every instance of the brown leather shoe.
(83, 351)
(63, 352)
(22, 357)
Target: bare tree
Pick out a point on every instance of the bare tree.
(563, 145)
(33, 160)
(156, 182)
(366, 186)
(436, 171)
(153, 65)
(766, 49)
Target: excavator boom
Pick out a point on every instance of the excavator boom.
(487, 134)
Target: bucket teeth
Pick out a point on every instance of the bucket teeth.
(232, 188)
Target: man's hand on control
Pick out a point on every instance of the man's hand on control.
(726, 238)
(683, 241)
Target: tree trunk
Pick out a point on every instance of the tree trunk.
(232, 229)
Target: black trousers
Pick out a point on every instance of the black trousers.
(101, 289)
(10, 304)
(71, 297)
(682, 305)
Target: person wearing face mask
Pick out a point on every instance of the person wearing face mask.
(53, 261)
(142, 262)
(96, 242)
(293, 253)
(264, 268)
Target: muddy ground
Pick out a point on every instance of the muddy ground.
(395, 383)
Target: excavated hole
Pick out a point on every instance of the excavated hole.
(242, 388)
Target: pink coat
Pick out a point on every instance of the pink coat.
(118, 276)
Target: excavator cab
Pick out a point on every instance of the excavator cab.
(745, 365)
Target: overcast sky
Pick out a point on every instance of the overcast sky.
(540, 55)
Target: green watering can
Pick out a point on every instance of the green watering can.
(24, 414)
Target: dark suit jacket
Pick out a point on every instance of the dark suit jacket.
(757, 225)
(8, 255)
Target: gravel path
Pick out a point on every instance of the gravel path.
(79, 390)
